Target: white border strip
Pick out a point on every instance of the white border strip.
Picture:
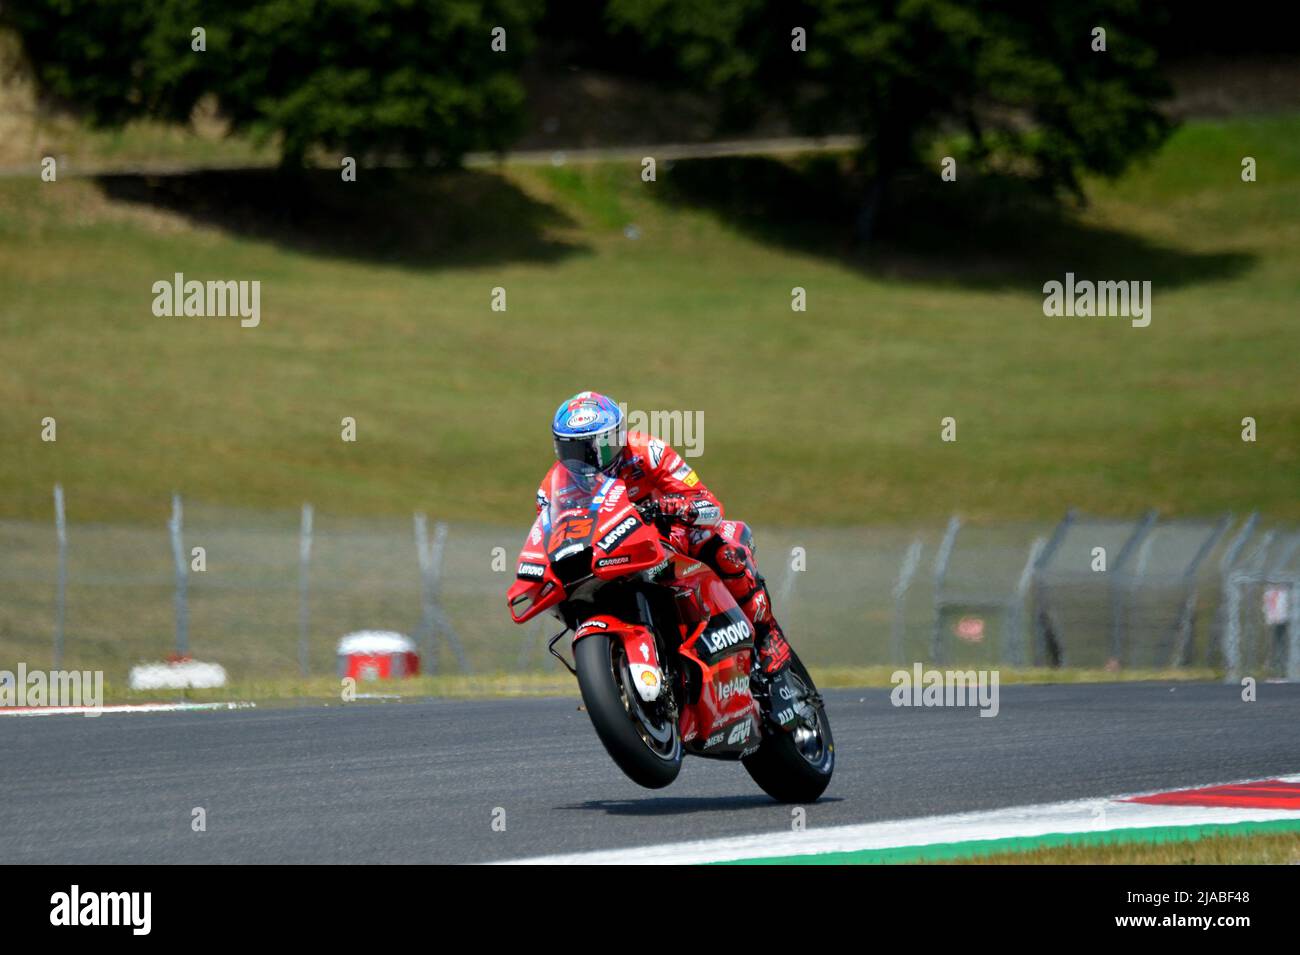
(119, 708)
(1083, 815)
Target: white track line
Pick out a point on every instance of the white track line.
(118, 708)
(1083, 815)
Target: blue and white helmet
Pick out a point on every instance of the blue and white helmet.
(588, 432)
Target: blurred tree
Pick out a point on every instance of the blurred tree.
(1019, 78)
(416, 78)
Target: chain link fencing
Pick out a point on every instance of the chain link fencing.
(269, 595)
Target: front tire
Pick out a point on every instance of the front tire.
(796, 766)
(642, 738)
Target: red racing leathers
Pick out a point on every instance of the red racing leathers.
(650, 468)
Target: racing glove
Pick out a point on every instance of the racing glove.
(678, 508)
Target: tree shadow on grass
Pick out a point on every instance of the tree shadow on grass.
(988, 232)
(413, 218)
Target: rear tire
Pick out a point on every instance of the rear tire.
(640, 737)
(795, 766)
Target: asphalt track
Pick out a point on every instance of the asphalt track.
(419, 781)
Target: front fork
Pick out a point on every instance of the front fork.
(641, 650)
(643, 657)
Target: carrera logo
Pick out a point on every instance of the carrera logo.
(531, 571)
(617, 534)
(728, 636)
(612, 561)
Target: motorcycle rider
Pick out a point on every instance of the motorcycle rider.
(589, 436)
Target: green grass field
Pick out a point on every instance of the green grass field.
(1276, 842)
(1279, 848)
(376, 305)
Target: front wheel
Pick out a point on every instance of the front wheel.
(642, 738)
(796, 766)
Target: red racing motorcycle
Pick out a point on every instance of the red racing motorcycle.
(663, 655)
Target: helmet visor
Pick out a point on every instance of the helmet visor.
(599, 452)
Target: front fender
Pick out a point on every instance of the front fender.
(638, 644)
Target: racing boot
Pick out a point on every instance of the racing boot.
(781, 698)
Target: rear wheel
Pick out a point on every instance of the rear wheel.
(642, 738)
(796, 766)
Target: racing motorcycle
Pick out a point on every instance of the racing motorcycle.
(663, 655)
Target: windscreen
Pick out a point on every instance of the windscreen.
(570, 521)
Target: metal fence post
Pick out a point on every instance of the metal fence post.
(425, 560)
(1186, 625)
(61, 594)
(1014, 646)
(1226, 562)
(182, 580)
(1123, 584)
(1238, 639)
(432, 618)
(911, 560)
(1232, 626)
(1293, 633)
(304, 594)
(1048, 649)
(787, 582)
(940, 572)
